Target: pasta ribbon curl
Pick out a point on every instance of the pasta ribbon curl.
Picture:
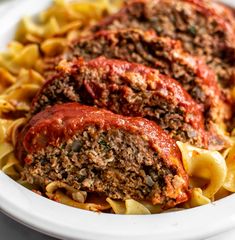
(229, 183)
(205, 164)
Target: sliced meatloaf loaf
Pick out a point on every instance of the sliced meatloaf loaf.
(161, 53)
(95, 150)
(128, 89)
(203, 29)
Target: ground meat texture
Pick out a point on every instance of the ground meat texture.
(203, 29)
(224, 11)
(95, 150)
(161, 53)
(128, 89)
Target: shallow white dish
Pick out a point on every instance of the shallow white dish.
(70, 223)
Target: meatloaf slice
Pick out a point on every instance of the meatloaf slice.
(197, 23)
(95, 150)
(161, 53)
(128, 89)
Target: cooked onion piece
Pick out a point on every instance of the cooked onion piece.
(204, 164)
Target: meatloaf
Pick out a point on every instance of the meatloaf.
(161, 53)
(203, 29)
(128, 89)
(95, 150)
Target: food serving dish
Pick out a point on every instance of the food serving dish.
(70, 223)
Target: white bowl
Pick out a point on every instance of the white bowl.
(70, 223)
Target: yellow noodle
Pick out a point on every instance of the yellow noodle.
(53, 46)
(204, 164)
(10, 166)
(79, 196)
(60, 197)
(4, 126)
(229, 183)
(117, 206)
(133, 207)
(5, 149)
(61, 18)
(7, 79)
(18, 57)
(12, 132)
(197, 199)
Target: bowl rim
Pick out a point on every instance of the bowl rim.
(62, 221)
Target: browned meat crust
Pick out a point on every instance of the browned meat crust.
(97, 151)
(161, 53)
(128, 89)
(197, 23)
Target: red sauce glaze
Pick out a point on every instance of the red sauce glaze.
(164, 86)
(58, 123)
(205, 77)
(159, 82)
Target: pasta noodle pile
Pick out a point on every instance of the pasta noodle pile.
(212, 174)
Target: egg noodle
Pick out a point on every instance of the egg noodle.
(212, 174)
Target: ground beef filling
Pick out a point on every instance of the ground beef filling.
(114, 162)
(134, 46)
(201, 34)
(123, 99)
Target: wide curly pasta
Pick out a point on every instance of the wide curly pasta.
(8, 163)
(64, 19)
(229, 183)
(208, 166)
